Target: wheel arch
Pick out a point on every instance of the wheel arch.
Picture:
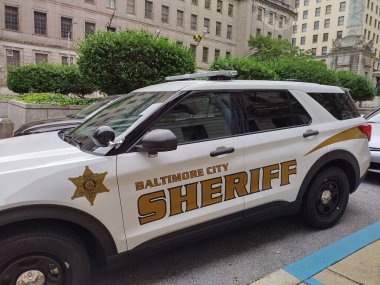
(340, 158)
(84, 225)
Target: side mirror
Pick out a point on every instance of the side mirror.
(103, 136)
(158, 141)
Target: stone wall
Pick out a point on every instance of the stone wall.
(3, 109)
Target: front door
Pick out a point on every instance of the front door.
(193, 184)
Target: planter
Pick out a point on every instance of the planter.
(20, 113)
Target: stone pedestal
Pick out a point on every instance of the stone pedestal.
(6, 128)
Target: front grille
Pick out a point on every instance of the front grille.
(374, 165)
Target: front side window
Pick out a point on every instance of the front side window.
(199, 117)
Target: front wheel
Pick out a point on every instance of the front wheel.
(326, 199)
(43, 257)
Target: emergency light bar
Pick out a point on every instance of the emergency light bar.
(211, 75)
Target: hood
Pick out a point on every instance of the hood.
(48, 125)
(375, 137)
(35, 150)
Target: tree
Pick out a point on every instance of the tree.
(266, 48)
(361, 88)
(119, 62)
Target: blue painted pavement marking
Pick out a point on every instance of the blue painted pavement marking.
(312, 281)
(319, 260)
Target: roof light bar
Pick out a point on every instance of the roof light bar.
(212, 75)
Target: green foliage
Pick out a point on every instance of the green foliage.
(361, 88)
(247, 68)
(44, 77)
(52, 99)
(126, 60)
(7, 97)
(266, 48)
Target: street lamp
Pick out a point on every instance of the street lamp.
(68, 42)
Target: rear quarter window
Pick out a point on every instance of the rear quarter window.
(340, 105)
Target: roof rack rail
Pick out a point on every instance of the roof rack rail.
(211, 75)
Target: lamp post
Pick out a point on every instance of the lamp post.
(68, 42)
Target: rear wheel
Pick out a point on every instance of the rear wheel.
(327, 198)
(43, 257)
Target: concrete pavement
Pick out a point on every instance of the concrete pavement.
(352, 260)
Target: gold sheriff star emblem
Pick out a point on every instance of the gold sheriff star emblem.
(89, 185)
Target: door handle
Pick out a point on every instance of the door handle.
(310, 133)
(221, 151)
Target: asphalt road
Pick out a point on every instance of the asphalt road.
(245, 255)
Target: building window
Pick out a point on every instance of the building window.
(89, 28)
(294, 29)
(90, 1)
(294, 41)
(65, 60)
(297, 3)
(11, 18)
(229, 32)
(303, 40)
(325, 37)
(194, 22)
(228, 54)
(315, 39)
(230, 10)
(41, 57)
(165, 14)
(111, 29)
(218, 29)
(179, 43)
(317, 12)
(316, 25)
(314, 51)
(341, 21)
(327, 23)
(296, 17)
(40, 20)
(111, 4)
(305, 14)
(324, 50)
(304, 27)
(194, 2)
(281, 22)
(306, 2)
(270, 34)
(217, 53)
(205, 55)
(259, 14)
(328, 9)
(207, 4)
(219, 6)
(258, 32)
(279, 37)
(13, 58)
(206, 24)
(131, 9)
(179, 18)
(339, 34)
(148, 9)
(193, 49)
(270, 18)
(342, 6)
(66, 25)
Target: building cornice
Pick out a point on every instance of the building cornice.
(278, 4)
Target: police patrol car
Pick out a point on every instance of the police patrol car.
(171, 162)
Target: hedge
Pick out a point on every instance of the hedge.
(361, 88)
(49, 98)
(44, 77)
(119, 62)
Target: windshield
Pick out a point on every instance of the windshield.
(92, 108)
(374, 117)
(121, 115)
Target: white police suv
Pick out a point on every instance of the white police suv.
(171, 162)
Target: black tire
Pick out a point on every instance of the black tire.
(59, 256)
(327, 198)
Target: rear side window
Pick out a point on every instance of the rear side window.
(269, 110)
(340, 105)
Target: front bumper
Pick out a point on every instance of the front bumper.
(375, 160)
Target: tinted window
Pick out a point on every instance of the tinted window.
(199, 117)
(268, 110)
(340, 105)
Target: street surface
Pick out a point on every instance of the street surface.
(245, 255)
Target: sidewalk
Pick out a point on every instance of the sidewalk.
(350, 261)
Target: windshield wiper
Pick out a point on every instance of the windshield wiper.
(65, 135)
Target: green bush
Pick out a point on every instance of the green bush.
(361, 88)
(247, 68)
(46, 77)
(52, 99)
(126, 60)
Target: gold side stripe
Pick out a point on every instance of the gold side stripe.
(351, 134)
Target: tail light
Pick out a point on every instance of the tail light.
(367, 130)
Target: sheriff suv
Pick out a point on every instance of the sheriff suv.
(172, 162)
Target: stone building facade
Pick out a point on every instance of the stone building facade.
(47, 30)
